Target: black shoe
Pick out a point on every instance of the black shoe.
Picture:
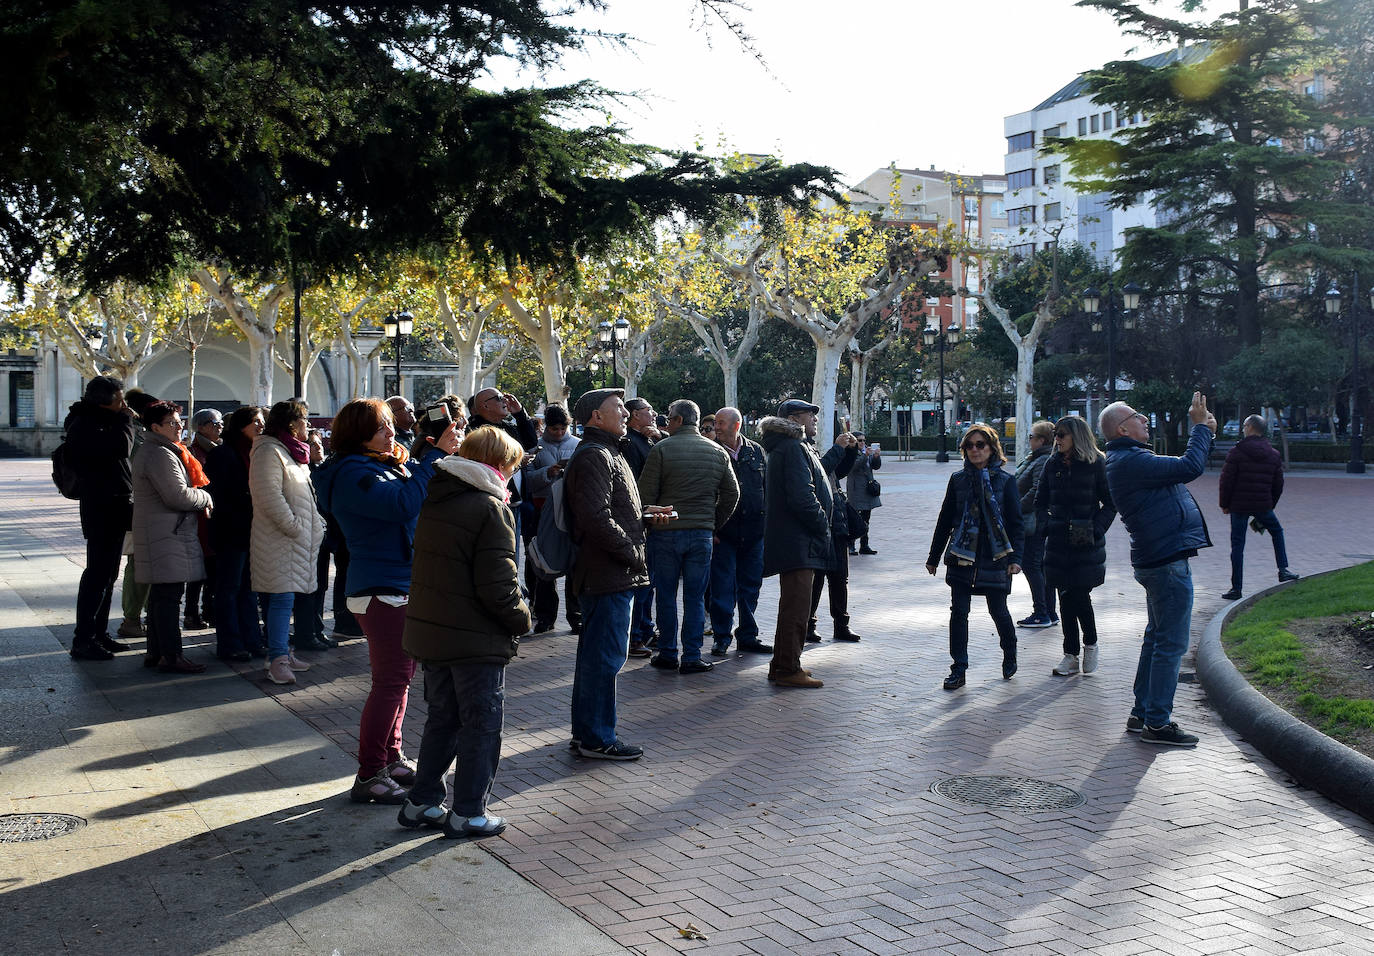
(1169, 735)
(1231, 595)
(194, 622)
(1035, 620)
(314, 644)
(694, 667)
(90, 651)
(1008, 670)
(639, 650)
(954, 681)
(240, 657)
(110, 644)
(617, 750)
(755, 647)
(845, 634)
(1134, 725)
(853, 553)
(542, 627)
(663, 663)
(1287, 575)
(720, 650)
(812, 637)
(575, 627)
(867, 551)
(346, 633)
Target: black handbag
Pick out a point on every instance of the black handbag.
(1081, 533)
(874, 488)
(858, 527)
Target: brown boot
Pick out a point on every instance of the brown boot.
(799, 679)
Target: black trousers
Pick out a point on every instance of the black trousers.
(164, 623)
(868, 526)
(104, 522)
(1075, 612)
(838, 579)
(544, 595)
(961, 600)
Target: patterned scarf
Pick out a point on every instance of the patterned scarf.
(981, 510)
(299, 450)
(195, 475)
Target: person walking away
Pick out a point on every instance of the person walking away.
(737, 548)
(979, 537)
(1074, 506)
(865, 493)
(1167, 528)
(1250, 487)
(99, 440)
(238, 633)
(169, 492)
(838, 462)
(463, 625)
(1028, 476)
(796, 536)
(691, 474)
(374, 492)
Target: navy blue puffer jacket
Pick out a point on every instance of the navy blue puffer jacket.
(1148, 491)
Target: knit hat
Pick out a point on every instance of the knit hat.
(591, 401)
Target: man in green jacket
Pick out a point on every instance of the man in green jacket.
(692, 474)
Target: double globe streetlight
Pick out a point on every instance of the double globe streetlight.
(1355, 465)
(1130, 299)
(613, 339)
(945, 338)
(397, 325)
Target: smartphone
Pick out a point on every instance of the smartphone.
(672, 515)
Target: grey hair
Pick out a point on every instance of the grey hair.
(1258, 423)
(685, 409)
(1084, 447)
(1111, 414)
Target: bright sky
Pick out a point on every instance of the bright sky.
(856, 84)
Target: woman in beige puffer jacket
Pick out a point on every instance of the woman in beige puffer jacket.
(287, 531)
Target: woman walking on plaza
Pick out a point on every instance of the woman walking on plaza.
(463, 624)
(978, 533)
(286, 534)
(864, 490)
(238, 636)
(168, 487)
(1028, 474)
(1075, 508)
(373, 491)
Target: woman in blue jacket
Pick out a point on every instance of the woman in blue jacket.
(979, 535)
(374, 493)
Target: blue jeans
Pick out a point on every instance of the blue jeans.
(642, 628)
(279, 608)
(1169, 603)
(467, 708)
(236, 606)
(602, 649)
(680, 556)
(1239, 525)
(736, 577)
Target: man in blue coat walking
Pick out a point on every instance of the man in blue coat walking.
(1167, 528)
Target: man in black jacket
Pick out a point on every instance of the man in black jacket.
(838, 462)
(737, 555)
(100, 438)
(490, 407)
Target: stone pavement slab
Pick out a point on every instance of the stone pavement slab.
(789, 821)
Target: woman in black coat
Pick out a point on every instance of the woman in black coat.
(979, 535)
(1075, 508)
(238, 635)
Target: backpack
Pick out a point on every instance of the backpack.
(64, 476)
(552, 550)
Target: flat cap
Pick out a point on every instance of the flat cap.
(795, 406)
(591, 401)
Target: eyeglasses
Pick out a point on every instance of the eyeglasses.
(975, 444)
(215, 424)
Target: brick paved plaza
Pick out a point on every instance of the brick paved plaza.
(803, 822)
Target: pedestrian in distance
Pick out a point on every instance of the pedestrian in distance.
(463, 625)
(978, 536)
(1167, 528)
(865, 492)
(1250, 487)
(1028, 475)
(737, 548)
(837, 463)
(1074, 506)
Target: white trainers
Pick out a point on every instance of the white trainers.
(1067, 667)
(296, 663)
(1089, 658)
(279, 671)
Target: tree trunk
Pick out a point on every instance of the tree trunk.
(257, 324)
(543, 333)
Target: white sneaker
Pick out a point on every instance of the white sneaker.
(1089, 658)
(279, 671)
(296, 663)
(1067, 667)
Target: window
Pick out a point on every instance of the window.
(1051, 211)
(971, 206)
(1093, 122)
(1052, 132)
(1020, 141)
(997, 209)
(1021, 216)
(1082, 126)
(1107, 120)
(1051, 174)
(1021, 179)
(1023, 251)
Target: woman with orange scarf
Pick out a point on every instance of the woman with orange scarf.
(168, 492)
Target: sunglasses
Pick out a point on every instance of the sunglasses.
(975, 444)
(1061, 434)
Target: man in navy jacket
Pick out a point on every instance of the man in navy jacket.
(1167, 528)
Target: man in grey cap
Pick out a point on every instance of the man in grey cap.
(796, 536)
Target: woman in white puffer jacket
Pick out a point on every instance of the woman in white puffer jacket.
(287, 530)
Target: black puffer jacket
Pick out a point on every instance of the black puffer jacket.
(1074, 490)
(986, 574)
(231, 521)
(797, 530)
(750, 466)
(99, 443)
(608, 520)
(1252, 478)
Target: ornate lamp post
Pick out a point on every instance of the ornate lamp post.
(397, 325)
(612, 339)
(1355, 465)
(944, 338)
(1130, 299)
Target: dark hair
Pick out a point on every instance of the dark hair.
(555, 415)
(157, 412)
(281, 416)
(239, 419)
(103, 389)
(138, 399)
(356, 423)
(994, 443)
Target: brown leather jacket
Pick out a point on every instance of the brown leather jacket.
(607, 518)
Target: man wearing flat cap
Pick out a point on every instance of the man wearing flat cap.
(796, 536)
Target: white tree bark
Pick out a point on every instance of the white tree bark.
(708, 329)
(858, 378)
(1025, 358)
(257, 323)
(639, 351)
(466, 321)
(131, 338)
(540, 327)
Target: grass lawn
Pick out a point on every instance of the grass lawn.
(1310, 649)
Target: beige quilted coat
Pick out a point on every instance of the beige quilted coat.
(166, 549)
(287, 527)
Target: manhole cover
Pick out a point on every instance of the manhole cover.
(1015, 793)
(28, 827)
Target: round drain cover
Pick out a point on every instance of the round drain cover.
(28, 827)
(1015, 793)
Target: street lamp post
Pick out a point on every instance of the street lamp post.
(944, 338)
(397, 325)
(612, 339)
(1355, 465)
(1130, 299)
